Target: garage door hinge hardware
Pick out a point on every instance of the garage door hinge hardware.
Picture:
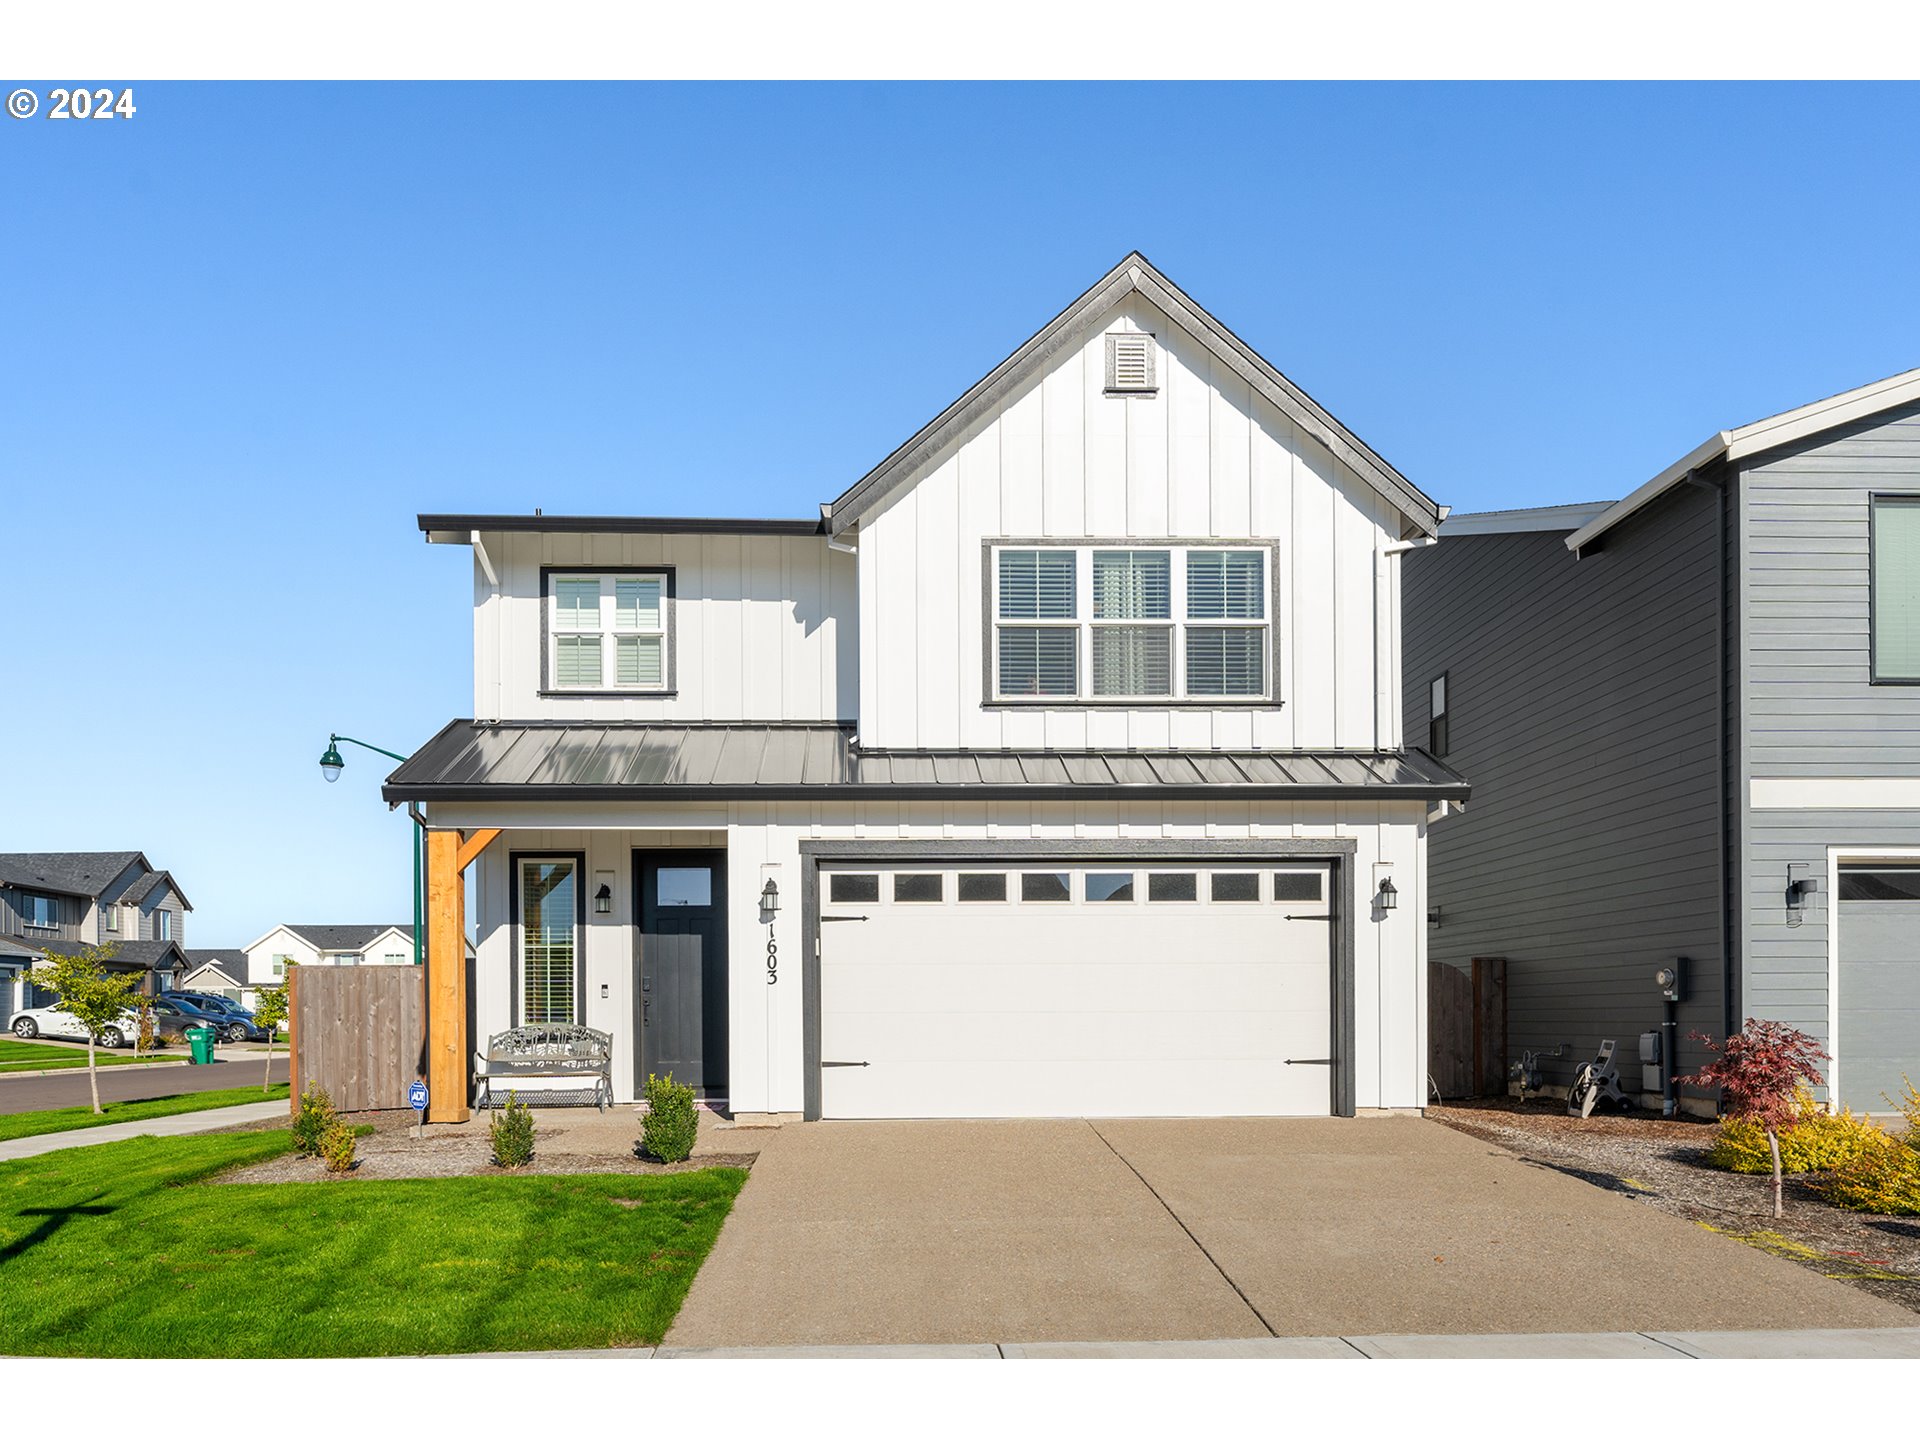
(1306, 917)
(1309, 1062)
(845, 1064)
(840, 919)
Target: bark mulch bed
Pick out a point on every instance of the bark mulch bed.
(391, 1153)
(1661, 1163)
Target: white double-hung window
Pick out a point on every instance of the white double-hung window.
(1133, 622)
(608, 631)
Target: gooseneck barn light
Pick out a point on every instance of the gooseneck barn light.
(331, 764)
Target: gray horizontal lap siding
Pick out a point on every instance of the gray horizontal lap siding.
(1810, 707)
(1585, 707)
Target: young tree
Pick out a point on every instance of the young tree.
(143, 1013)
(269, 1009)
(91, 995)
(1757, 1072)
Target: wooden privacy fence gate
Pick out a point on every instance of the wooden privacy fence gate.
(1467, 1028)
(359, 1032)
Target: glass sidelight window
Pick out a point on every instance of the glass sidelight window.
(549, 918)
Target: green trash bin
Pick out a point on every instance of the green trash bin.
(200, 1041)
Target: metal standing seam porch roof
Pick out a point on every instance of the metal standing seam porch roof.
(585, 760)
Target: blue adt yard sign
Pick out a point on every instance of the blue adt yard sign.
(417, 1095)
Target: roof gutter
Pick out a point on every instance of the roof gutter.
(510, 794)
(1710, 449)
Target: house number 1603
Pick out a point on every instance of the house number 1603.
(773, 959)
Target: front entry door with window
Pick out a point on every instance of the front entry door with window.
(680, 968)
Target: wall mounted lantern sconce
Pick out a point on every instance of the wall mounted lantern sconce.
(770, 897)
(603, 900)
(1388, 897)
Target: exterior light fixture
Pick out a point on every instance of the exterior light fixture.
(770, 897)
(603, 900)
(331, 764)
(1388, 896)
(1797, 892)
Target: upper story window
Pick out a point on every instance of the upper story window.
(609, 631)
(1437, 727)
(1134, 623)
(163, 925)
(1896, 589)
(280, 964)
(110, 918)
(40, 911)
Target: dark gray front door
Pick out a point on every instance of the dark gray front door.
(680, 1007)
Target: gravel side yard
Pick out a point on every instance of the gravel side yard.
(1659, 1162)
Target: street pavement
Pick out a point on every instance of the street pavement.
(20, 1093)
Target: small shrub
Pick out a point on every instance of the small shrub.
(336, 1147)
(313, 1120)
(1884, 1180)
(1909, 1103)
(512, 1135)
(1816, 1142)
(672, 1123)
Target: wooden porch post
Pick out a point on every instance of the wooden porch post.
(448, 1072)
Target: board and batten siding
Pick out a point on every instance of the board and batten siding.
(1584, 703)
(1811, 710)
(1204, 458)
(763, 627)
(69, 913)
(762, 841)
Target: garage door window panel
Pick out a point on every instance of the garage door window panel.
(1049, 887)
(1173, 888)
(911, 888)
(983, 889)
(850, 889)
(1106, 887)
(1237, 887)
(1299, 885)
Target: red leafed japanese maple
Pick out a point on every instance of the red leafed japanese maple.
(1757, 1073)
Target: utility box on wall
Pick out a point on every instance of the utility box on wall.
(1652, 1079)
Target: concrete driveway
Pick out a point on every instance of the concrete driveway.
(935, 1232)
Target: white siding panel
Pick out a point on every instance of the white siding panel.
(764, 627)
(1201, 458)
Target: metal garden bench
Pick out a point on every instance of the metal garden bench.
(548, 1052)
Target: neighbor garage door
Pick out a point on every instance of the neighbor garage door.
(1878, 1043)
(1074, 989)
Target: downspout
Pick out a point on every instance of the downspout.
(1383, 605)
(493, 581)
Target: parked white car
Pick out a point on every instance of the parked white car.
(58, 1022)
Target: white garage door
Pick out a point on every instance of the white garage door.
(1066, 990)
(1879, 982)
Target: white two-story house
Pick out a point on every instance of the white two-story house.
(1055, 768)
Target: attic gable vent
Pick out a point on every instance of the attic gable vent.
(1130, 363)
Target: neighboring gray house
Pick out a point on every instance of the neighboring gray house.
(1693, 722)
(60, 902)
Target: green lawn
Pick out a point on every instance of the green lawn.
(21, 1055)
(113, 1250)
(80, 1117)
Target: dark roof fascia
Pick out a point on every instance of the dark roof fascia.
(1134, 273)
(459, 527)
(463, 794)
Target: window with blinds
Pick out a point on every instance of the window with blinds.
(549, 914)
(608, 631)
(1896, 588)
(1159, 622)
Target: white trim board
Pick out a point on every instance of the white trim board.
(1836, 792)
(1838, 856)
(1782, 429)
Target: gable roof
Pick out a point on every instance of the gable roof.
(147, 884)
(67, 872)
(345, 937)
(230, 965)
(1133, 274)
(1782, 429)
(1512, 522)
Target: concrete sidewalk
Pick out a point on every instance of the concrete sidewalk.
(191, 1123)
(1889, 1344)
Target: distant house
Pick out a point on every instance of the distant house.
(218, 972)
(1693, 721)
(60, 902)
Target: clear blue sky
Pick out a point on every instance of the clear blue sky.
(250, 333)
